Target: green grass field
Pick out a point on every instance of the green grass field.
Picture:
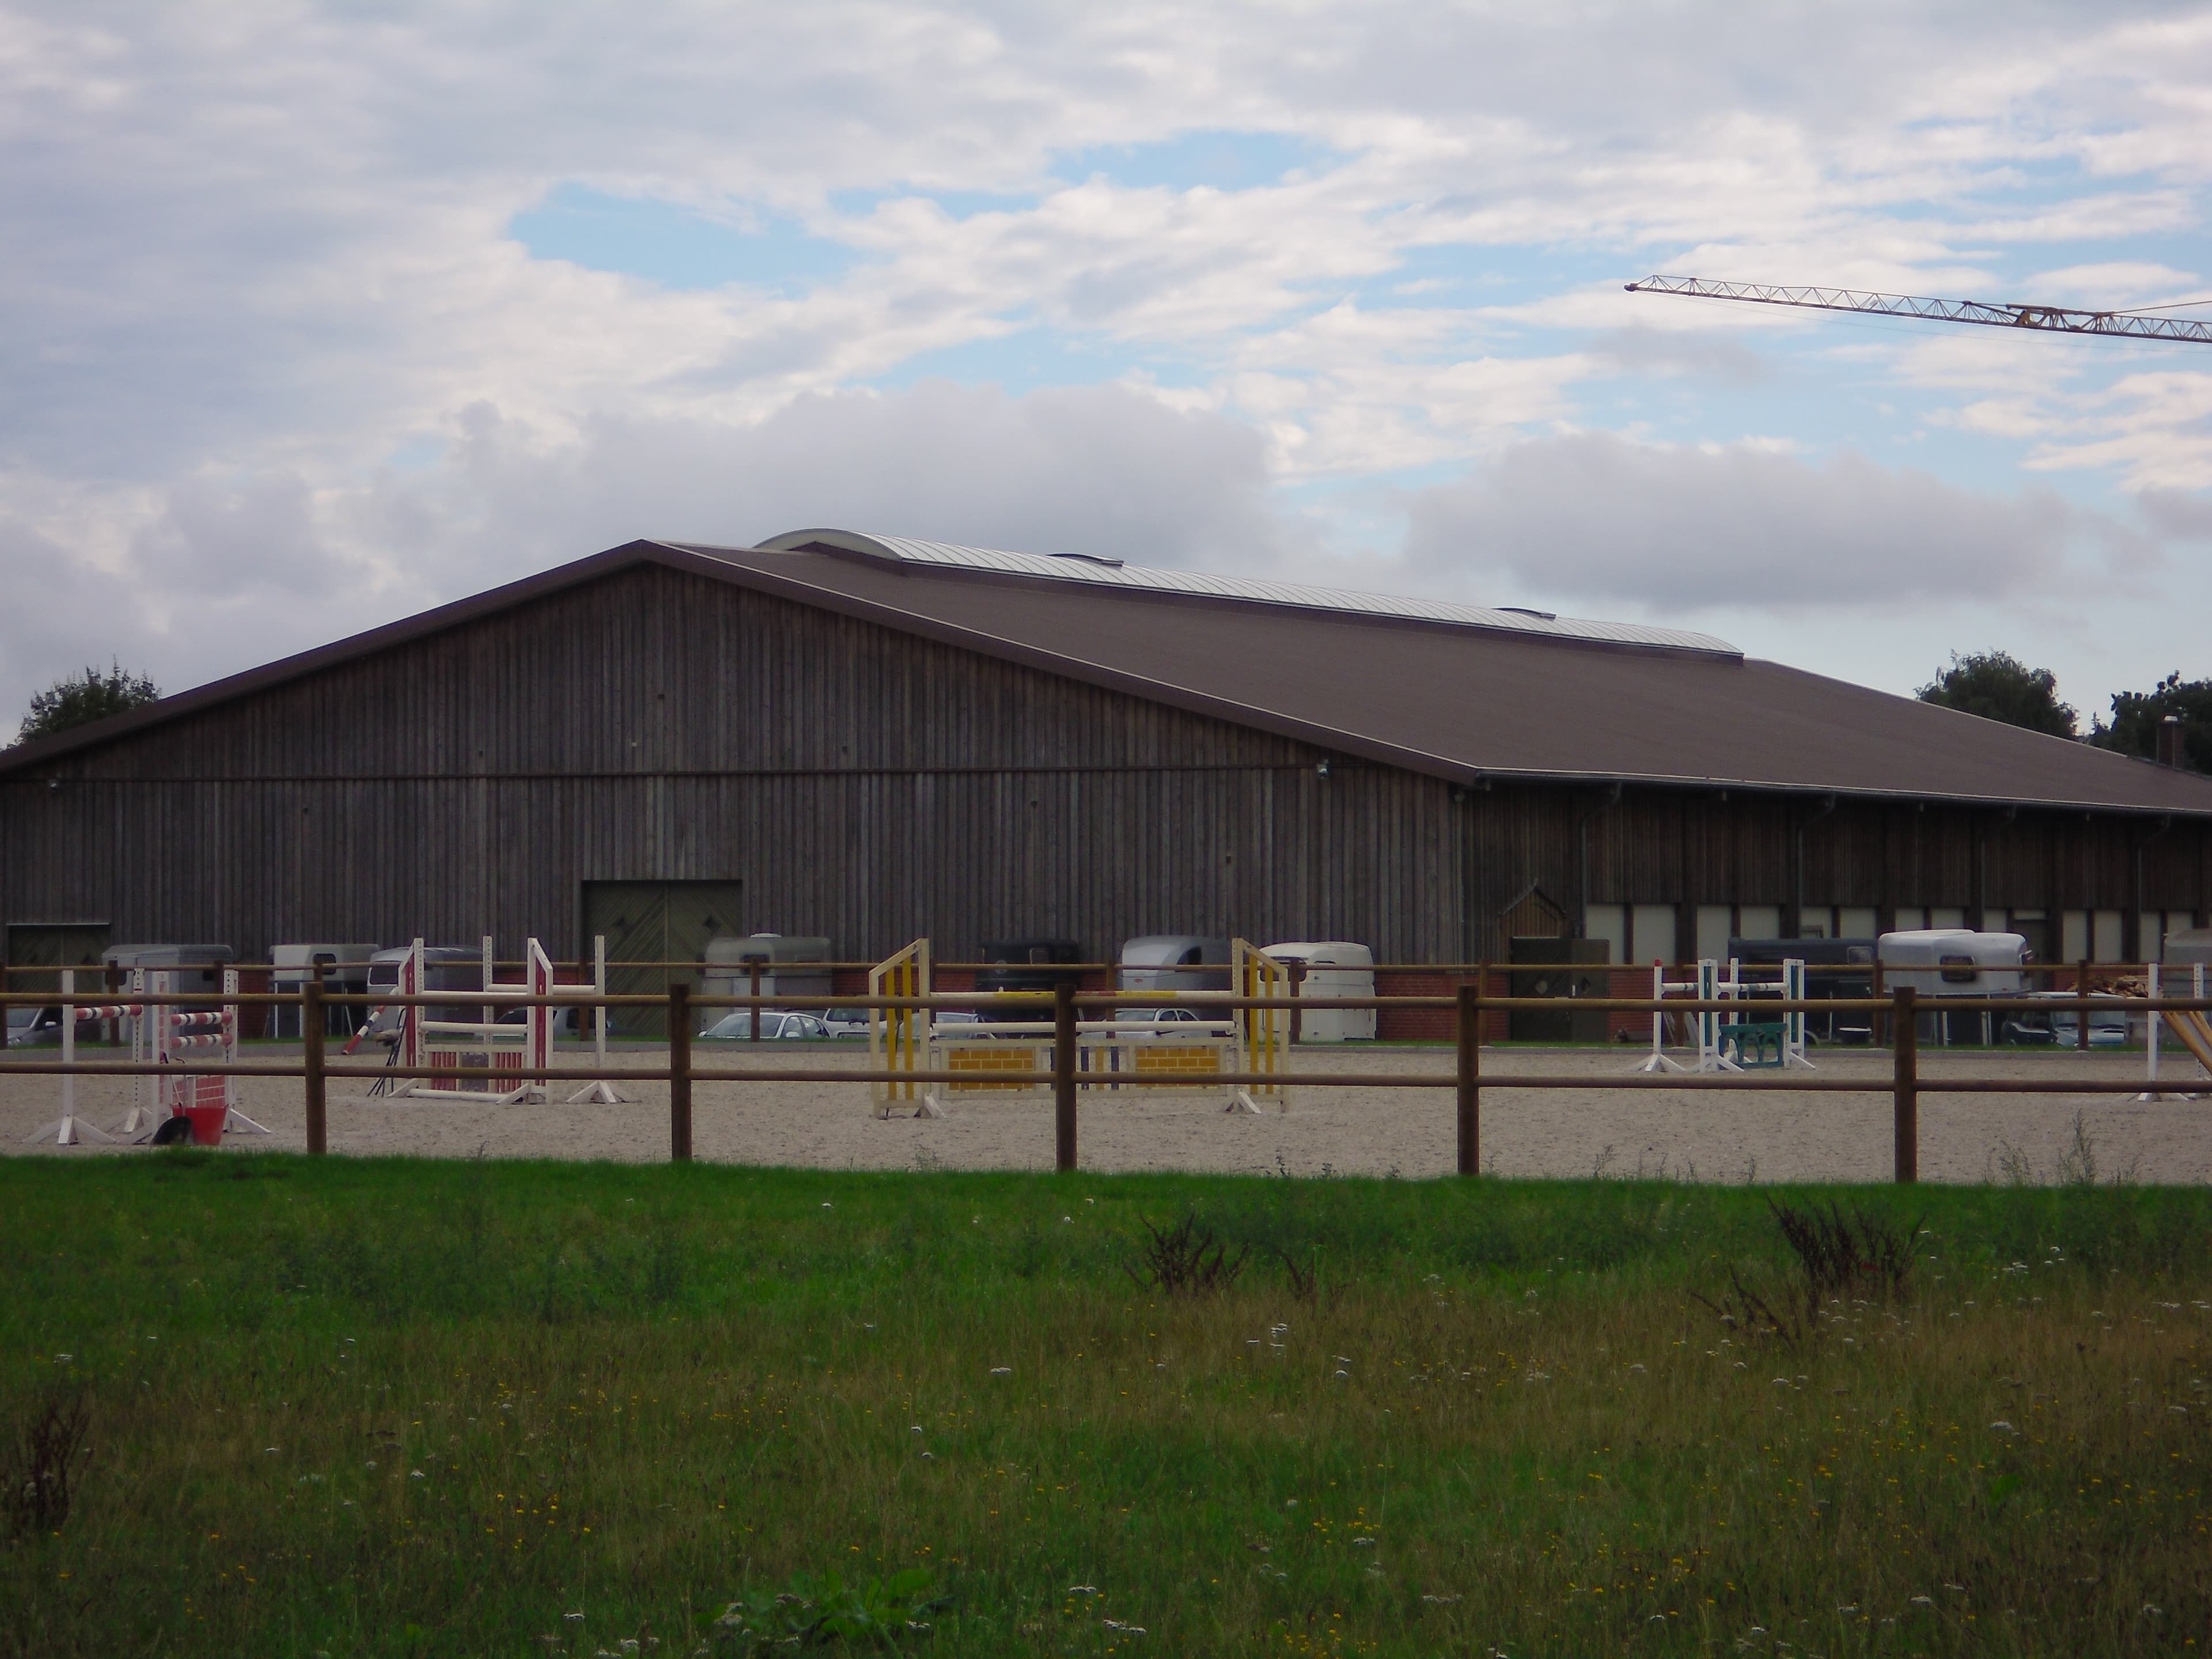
(357, 1408)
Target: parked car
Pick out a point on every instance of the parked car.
(2060, 1025)
(944, 1016)
(567, 1018)
(777, 1025)
(2109, 1027)
(34, 1028)
(1169, 1016)
(1029, 964)
(846, 1021)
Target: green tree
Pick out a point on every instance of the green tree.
(2136, 716)
(80, 699)
(1998, 686)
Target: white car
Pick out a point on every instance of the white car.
(1157, 1018)
(776, 1026)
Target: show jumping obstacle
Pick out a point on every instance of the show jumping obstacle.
(1728, 1041)
(1003, 1055)
(508, 1058)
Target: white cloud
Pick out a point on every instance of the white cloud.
(257, 250)
(1598, 521)
(217, 577)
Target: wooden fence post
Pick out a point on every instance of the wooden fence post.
(312, 1023)
(1905, 1028)
(1063, 1077)
(752, 1032)
(2081, 1005)
(1470, 1079)
(679, 1073)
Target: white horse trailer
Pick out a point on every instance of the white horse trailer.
(793, 966)
(1171, 963)
(1334, 968)
(1953, 962)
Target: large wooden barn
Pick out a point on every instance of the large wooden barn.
(872, 738)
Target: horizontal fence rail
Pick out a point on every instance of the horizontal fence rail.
(1056, 1020)
(739, 969)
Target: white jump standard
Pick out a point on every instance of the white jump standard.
(1729, 1041)
(506, 1058)
(70, 1129)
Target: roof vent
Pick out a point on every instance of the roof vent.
(1523, 611)
(1090, 558)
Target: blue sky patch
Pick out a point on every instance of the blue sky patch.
(675, 246)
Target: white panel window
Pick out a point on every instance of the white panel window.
(1759, 921)
(1653, 935)
(1857, 921)
(1996, 921)
(1715, 923)
(2150, 941)
(1610, 923)
(1947, 915)
(2073, 935)
(1816, 921)
(2104, 936)
(1911, 918)
(2170, 922)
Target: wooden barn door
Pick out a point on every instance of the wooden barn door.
(647, 923)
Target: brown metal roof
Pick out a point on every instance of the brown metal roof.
(1462, 703)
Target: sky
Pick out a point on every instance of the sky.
(312, 317)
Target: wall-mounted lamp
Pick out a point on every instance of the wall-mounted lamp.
(53, 785)
(1322, 771)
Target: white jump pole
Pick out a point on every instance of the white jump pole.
(1793, 1023)
(232, 1118)
(1659, 1058)
(2152, 977)
(68, 1129)
(1711, 988)
(598, 1092)
(2150, 1048)
(144, 1113)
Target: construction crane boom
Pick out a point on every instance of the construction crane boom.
(2055, 319)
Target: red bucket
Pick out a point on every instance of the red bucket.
(207, 1124)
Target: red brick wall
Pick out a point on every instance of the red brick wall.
(1432, 1025)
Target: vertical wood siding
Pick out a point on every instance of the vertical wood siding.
(871, 786)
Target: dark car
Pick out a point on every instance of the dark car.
(1029, 964)
(1838, 968)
